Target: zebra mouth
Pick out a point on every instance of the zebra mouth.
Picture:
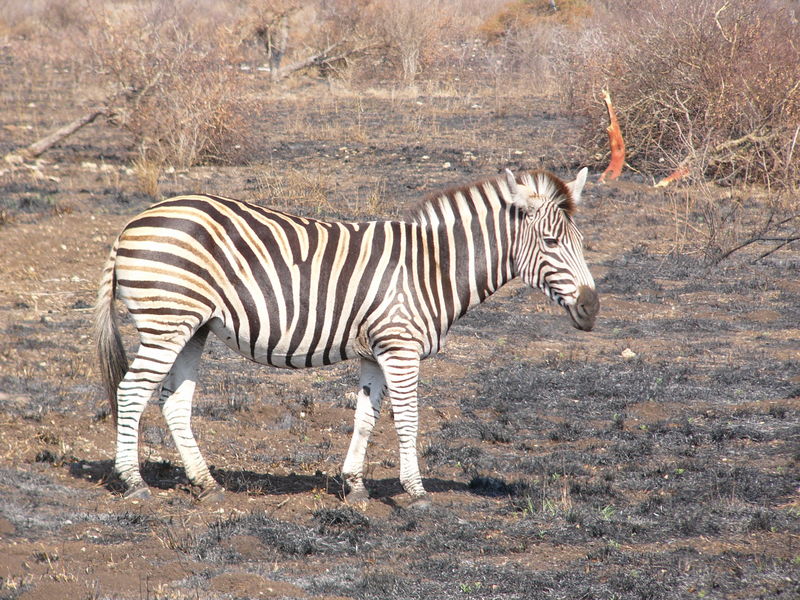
(583, 311)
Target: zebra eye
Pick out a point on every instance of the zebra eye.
(551, 242)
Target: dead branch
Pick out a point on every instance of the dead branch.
(682, 170)
(761, 236)
(750, 138)
(615, 141)
(310, 61)
(44, 144)
(784, 242)
(324, 57)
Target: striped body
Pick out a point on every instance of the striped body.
(294, 292)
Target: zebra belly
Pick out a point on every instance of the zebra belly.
(280, 355)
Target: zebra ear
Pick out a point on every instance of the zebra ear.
(576, 187)
(512, 183)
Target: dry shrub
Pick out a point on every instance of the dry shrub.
(324, 37)
(176, 90)
(36, 17)
(147, 171)
(715, 83)
(412, 31)
(511, 48)
(522, 15)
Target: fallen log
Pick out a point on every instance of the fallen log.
(39, 147)
(616, 142)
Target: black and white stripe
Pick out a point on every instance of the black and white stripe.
(294, 292)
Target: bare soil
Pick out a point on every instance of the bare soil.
(655, 457)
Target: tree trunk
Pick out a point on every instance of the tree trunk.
(277, 46)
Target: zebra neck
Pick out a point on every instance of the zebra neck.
(469, 237)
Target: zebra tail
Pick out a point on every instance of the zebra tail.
(110, 350)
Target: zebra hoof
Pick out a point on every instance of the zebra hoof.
(211, 495)
(421, 503)
(140, 492)
(357, 497)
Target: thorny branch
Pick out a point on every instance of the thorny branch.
(761, 236)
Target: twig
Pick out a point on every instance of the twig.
(785, 242)
(791, 152)
(760, 238)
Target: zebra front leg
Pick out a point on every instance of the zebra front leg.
(176, 394)
(144, 375)
(371, 387)
(401, 370)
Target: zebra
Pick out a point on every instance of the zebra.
(296, 292)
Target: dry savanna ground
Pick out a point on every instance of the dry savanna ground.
(655, 457)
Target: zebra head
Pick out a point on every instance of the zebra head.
(548, 252)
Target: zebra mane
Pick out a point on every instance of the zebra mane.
(547, 185)
(551, 187)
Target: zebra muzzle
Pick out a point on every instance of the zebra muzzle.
(585, 309)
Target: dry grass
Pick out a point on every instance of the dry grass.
(294, 190)
(147, 172)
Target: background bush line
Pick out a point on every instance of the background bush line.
(709, 86)
(711, 83)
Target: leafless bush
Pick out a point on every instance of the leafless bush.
(411, 31)
(175, 89)
(715, 83)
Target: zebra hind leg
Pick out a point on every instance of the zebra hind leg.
(371, 389)
(177, 392)
(146, 372)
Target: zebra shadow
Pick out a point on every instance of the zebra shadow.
(164, 475)
(269, 484)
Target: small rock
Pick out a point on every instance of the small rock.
(628, 354)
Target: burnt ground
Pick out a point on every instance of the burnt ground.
(655, 457)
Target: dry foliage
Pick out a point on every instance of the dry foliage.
(717, 81)
(175, 86)
(525, 15)
(411, 31)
